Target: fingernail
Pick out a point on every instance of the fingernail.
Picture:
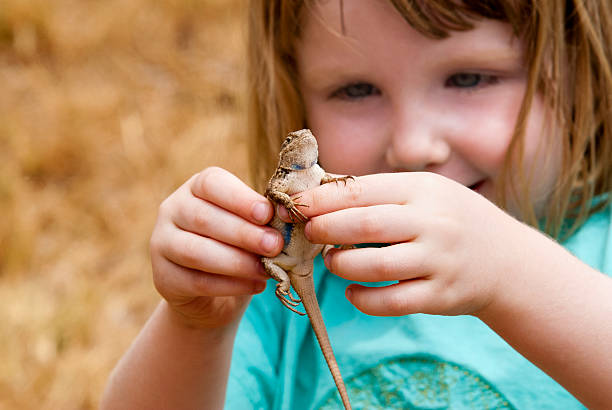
(262, 271)
(328, 258)
(307, 230)
(260, 287)
(260, 212)
(283, 214)
(349, 293)
(269, 242)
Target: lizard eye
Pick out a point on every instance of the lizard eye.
(287, 141)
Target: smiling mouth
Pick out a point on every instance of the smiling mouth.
(476, 186)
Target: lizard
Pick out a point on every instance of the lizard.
(297, 171)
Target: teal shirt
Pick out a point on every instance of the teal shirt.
(416, 361)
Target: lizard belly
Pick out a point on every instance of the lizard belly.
(297, 248)
(305, 179)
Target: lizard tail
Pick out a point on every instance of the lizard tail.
(304, 286)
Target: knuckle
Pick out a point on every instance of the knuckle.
(452, 298)
(384, 267)
(353, 192)
(247, 236)
(236, 265)
(202, 283)
(165, 208)
(155, 244)
(188, 253)
(396, 303)
(158, 244)
(207, 176)
(318, 228)
(210, 172)
(370, 225)
(201, 219)
(162, 281)
(418, 263)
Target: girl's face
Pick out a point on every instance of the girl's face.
(385, 98)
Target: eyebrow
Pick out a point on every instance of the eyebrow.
(326, 70)
(485, 56)
(490, 56)
(485, 52)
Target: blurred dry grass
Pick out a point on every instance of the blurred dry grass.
(105, 108)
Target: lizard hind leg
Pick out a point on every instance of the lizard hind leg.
(289, 304)
(287, 299)
(286, 295)
(283, 287)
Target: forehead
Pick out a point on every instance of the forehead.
(433, 18)
(377, 36)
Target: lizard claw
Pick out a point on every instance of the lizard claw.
(296, 204)
(289, 306)
(296, 214)
(288, 300)
(328, 178)
(346, 178)
(345, 247)
(286, 295)
(295, 300)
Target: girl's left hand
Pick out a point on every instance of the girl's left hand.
(451, 250)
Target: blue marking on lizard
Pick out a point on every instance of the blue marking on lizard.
(298, 167)
(287, 230)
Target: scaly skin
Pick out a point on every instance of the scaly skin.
(298, 171)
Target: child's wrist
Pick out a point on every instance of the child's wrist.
(533, 262)
(183, 323)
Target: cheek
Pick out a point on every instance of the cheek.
(483, 134)
(348, 144)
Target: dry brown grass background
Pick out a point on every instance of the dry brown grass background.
(106, 107)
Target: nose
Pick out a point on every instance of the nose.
(417, 142)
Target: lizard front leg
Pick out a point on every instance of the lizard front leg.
(285, 200)
(327, 178)
(283, 287)
(327, 248)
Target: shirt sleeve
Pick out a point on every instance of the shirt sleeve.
(592, 242)
(607, 260)
(254, 369)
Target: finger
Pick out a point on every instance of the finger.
(227, 191)
(205, 254)
(362, 191)
(396, 262)
(284, 215)
(203, 218)
(178, 282)
(399, 299)
(387, 223)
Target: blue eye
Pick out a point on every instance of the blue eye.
(356, 91)
(469, 80)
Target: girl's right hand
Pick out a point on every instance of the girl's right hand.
(206, 247)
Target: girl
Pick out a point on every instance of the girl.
(469, 125)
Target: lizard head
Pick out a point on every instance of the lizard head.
(299, 150)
